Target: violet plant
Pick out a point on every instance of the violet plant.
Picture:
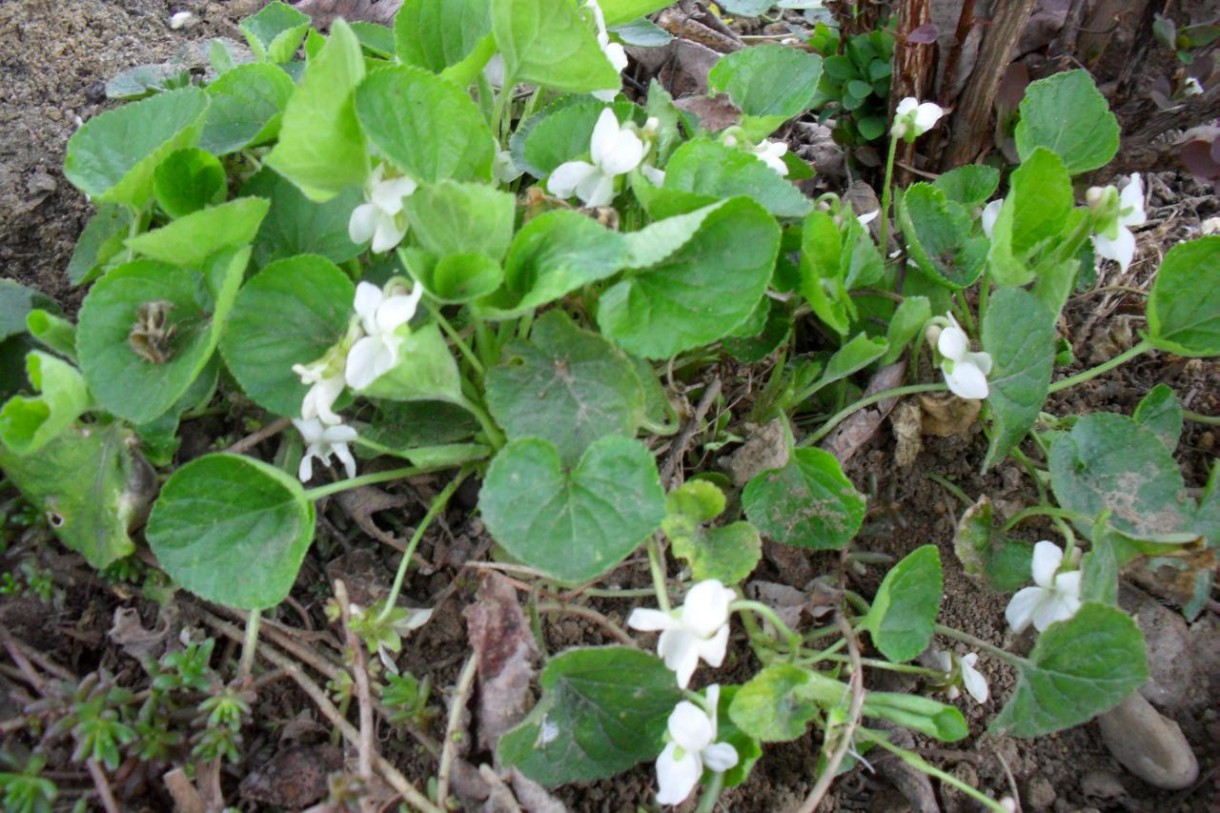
(339, 239)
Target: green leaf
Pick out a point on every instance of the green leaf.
(567, 385)
(939, 236)
(1161, 412)
(922, 714)
(16, 302)
(81, 481)
(852, 357)
(809, 503)
(111, 158)
(1184, 311)
(248, 104)
(748, 749)
(428, 127)
(1066, 114)
(1099, 570)
(998, 563)
(376, 39)
(904, 611)
(618, 12)
(823, 274)
(426, 371)
(101, 241)
(698, 293)
(435, 34)
(275, 32)
(133, 385)
(1019, 333)
(602, 710)
(53, 332)
(404, 425)
(970, 185)
(457, 218)
(551, 256)
(710, 168)
(321, 147)
(28, 424)
(454, 278)
(191, 239)
(232, 530)
(775, 705)
(1111, 463)
(906, 324)
(1041, 192)
(312, 302)
(145, 80)
(549, 43)
(769, 84)
(296, 225)
(1079, 668)
(188, 180)
(572, 525)
(726, 553)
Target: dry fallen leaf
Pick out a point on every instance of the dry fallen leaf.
(505, 651)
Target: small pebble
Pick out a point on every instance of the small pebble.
(1039, 793)
(1148, 745)
(1102, 787)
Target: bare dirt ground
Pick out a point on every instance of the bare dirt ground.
(56, 57)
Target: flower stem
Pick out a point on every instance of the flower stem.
(1042, 511)
(921, 764)
(1122, 358)
(250, 646)
(707, 802)
(885, 196)
(438, 504)
(315, 494)
(757, 607)
(841, 415)
(1196, 417)
(892, 667)
(978, 643)
(657, 567)
(457, 339)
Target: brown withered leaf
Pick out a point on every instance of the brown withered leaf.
(853, 433)
(505, 652)
(324, 12)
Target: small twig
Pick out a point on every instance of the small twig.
(461, 696)
(364, 700)
(669, 469)
(1012, 780)
(849, 729)
(43, 662)
(254, 438)
(109, 803)
(245, 667)
(609, 626)
(27, 669)
(185, 795)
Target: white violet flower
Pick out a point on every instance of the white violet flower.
(991, 213)
(376, 353)
(322, 441)
(326, 382)
(698, 630)
(1055, 598)
(972, 679)
(615, 150)
(613, 50)
(965, 371)
(382, 219)
(771, 153)
(912, 118)
(1115, 241)
(691, 748)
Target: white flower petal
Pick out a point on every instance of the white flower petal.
(1047, 558)
(387, 235)
(361, 369)
(363, 223)
(626, 155)
(991, 213)
(1131, 203)
(1121, 249)
(1053, 607)
(396, 311)
(926, 116)
(605, 137)
(305, 470)
(676, 778)
(368, 299)
(345, 456)
(980, 360)
(905, 106)
(1020, 610)
(720, 757)
(567, 176)
(680, 651)
(965, 380)
(706, 608)
(712, 650)
(651, 620)
(596, 190)
(953, 343)
(690, 727)
(616, 54)
(973, 679)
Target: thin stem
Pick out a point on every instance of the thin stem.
(952, 488)
(885, 196)
(1122, 358)
(921, 764)
(657, 567)
(977, 643)
(963, 310)
(846, 412)
(373, 478)
(494, 436)
(707, 802)
(245, 666)
(758, 608)
(892, 667)
(438, 505)
(1210, 420)
(1041, 511)
(457, 339)
(461, 694)
(502, 99)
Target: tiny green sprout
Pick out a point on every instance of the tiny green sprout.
(99, 730)
(27, 792)
(406, 699)
(187, 669)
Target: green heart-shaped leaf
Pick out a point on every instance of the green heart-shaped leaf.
(809, 503)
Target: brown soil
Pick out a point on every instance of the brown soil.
(56, 58)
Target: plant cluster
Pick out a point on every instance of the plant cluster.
(457, 244)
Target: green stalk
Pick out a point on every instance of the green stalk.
(885, 197)
(315, 494)
(921, 764)
(657, 568)
(758, 608)
(438, 505)
(1042, 511)
(707, 802)
(978, 643)
(1122, 358)
(846, 412)
(245, 667)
